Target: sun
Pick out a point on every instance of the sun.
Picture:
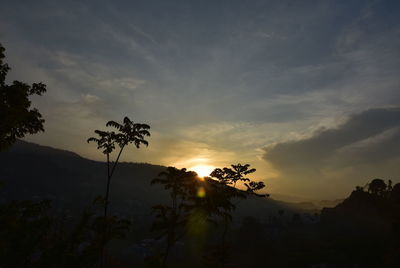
(202, 170)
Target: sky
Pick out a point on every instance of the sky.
(307, 92)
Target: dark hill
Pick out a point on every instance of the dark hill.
(363, 230)
(31, 171)
(362, 208)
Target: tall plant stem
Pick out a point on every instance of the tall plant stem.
(108, 185)
(109, 175)
(116, 161)
(103, 246)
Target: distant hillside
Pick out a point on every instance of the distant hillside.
(31, 171)
(316, 206)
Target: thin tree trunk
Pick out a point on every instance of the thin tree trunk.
(108, 186)
(103, 246)
(109, 175)
(116, 161)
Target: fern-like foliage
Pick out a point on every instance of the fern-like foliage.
(234, 174)
(105, 141)
(130, 132)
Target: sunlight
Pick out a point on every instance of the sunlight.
(202, 170)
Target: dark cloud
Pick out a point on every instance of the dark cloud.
(366, 145)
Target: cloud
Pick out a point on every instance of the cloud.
(88, 98)
(366, 145)
(227, 77)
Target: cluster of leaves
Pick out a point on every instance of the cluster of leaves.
(231, 176)
(128, 132)
(238, 173)
(21, 119)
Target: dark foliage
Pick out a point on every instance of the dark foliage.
(198, 201)
(170, 220)
(34, 236)
(17, 118)
(219, 256)
(128, 132)
(234, 174)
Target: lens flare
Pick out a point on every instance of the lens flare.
(201, 192)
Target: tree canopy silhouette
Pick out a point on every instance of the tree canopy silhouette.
(17, 117)
(377, 187)
(127, 132)
(225, 178)
(234, 174)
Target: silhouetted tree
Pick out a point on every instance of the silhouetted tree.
(230, 176)
(377, 187)
(17, 118)
(254, 186)
(170, 219)
(127, 132)
(204, 199)
(226, 177)
(234, 174)
(218, 205)
(106, 143)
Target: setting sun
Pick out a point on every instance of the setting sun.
(202, 170)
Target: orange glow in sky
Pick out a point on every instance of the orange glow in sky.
(202, 170)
